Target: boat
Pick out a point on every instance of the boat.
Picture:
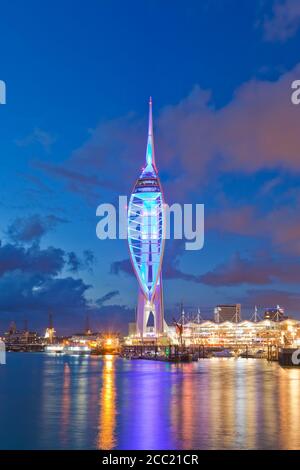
(54, 348)
(261, 354)
(223, 353)
(79, 349)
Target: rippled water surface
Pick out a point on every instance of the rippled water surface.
(70, 402)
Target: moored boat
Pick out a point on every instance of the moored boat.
(54, 348)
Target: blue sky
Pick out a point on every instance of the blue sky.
(73, 135)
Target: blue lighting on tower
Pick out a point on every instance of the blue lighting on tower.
(146, 225)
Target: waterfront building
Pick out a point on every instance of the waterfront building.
(241, 334)
(21, 339)
(146, 229)
(231, 313)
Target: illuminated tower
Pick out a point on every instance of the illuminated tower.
(146, 228)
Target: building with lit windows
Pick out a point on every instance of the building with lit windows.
(242, 334)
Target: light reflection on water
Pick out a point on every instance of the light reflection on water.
(91, 402)
(107, 411)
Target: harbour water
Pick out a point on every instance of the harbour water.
(71, 402)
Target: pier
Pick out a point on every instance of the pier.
(178, 353)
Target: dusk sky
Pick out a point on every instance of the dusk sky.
(73, 135)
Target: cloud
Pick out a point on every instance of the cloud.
(34, 260)
(260, 269)
(76, 263)
(283, 22)
(279, 225)
(37, 185)
(32, 228)
(124, 266)
(36, 293)
(38, 136)
(32, 282)
(73, 261)
(174, 250)
(171, 265)
(92, 169)
(258, 129)
(89, 260)
(271, 297)
(257, 269)
(29, 281)
(107, 297)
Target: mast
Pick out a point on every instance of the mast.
(182, 314)
(50, 325)
(199, 318)
(255, 317)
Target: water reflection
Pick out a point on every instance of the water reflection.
(235, 404)
(107, 417)
(289, 402)
(93, 402)
(66, 403)
(144, 406)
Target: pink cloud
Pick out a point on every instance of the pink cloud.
(265, 298)
(280, 226)
(258, 269)
(258, 128)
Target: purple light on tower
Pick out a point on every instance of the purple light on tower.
(146, 228)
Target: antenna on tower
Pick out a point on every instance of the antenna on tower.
(150, 155)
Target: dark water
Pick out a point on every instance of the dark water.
(69, 402)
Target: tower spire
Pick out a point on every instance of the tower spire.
(150, 156)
